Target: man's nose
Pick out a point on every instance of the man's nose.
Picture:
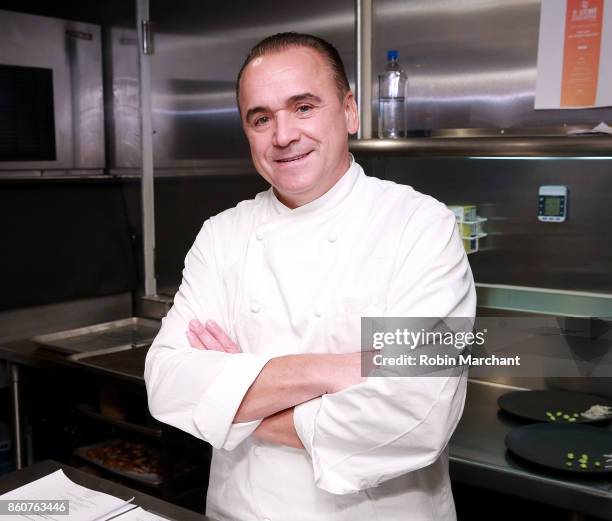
(286, 130)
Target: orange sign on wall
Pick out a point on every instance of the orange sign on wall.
(583, 22)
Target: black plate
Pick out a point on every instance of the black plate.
(533, 405)
(549, 445)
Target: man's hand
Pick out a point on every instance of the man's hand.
(279, 429)
(210, 336)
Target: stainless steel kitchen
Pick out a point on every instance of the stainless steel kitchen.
(335, 260)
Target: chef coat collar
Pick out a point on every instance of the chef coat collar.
(329, 199)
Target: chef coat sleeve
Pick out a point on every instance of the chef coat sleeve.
(388, 426)
(196, 390)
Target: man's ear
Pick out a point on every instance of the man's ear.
(350, 112)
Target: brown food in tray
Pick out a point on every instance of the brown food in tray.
(127, 456)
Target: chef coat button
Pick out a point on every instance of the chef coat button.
(259, 235)
(255, 308)
(363, 483)
(257, 451)
(332, 237)
(318, 312)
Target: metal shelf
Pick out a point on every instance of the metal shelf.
(88, 410)
(506, 146)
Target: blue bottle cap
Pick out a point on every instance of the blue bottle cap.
(392, 55)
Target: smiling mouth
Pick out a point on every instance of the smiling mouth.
(292, 159)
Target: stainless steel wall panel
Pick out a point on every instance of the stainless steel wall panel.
(520, 250)
(123, 110)
(470, 63)
(73, 50)
(198, 53)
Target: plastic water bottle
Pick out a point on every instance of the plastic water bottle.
(391, 88)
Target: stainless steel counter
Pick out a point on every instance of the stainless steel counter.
(478, 457)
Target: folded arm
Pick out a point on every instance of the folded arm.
(368, 434)
(282, 383)
(197, 390)
(216, 392)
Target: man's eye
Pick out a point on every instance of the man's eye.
(304, 108)
(261, 121)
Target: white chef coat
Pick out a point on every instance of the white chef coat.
(284, 281)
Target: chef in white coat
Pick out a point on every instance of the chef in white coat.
(259, 356)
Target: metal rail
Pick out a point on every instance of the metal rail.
(363, 34)
(509, 146)
(146, 134)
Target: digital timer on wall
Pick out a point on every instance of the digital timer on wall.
(552, 203)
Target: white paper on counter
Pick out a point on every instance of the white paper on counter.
(85, 504)
(550, 57)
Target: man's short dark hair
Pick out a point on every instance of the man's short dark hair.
(282, 41)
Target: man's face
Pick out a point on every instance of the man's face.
(296, 125)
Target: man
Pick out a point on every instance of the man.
(259, 355)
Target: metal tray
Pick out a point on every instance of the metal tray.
(128, 362)
(118, 335)
(147, 479)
